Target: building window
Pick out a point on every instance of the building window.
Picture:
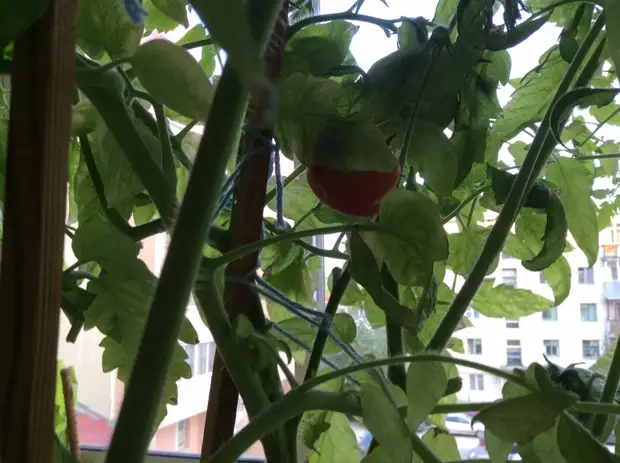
(588, 312)
(471, 313)
(512, 323)
(474, 346)
(476, 382)
(513, 352)
(550, 314)
(205, 355)
(591, 349)
(552, 347)
(542, 279)
(509, 276)
(586, 275)
(190, 350)
(210, 356)
(181, 438)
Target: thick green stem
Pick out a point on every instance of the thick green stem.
(288, 407)
(394, 334)
(338, 290)
(610, 391)
(332, 254)
(252, 247)
(349, 16)
(541, 148)
(232, 353)
(167, 155)
(304, 398)
(144, 391)
(111, 106)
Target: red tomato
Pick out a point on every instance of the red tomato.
(352, 193)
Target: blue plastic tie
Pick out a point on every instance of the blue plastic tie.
(134, 10)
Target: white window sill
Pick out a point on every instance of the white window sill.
(97, 455)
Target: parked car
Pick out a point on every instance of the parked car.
(480, 452)
(461, 424)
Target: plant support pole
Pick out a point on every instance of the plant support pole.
(246, 227)
(34, 223)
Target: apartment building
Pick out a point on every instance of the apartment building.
(578, 330)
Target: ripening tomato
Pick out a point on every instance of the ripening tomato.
(356, 193)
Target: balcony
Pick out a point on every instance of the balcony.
(611, 290)
(609, 252)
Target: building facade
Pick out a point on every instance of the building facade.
(577, 331)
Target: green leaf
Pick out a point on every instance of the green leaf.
(343, 326)
(431, 152)
(318, 48)
(305, 106)
(412, 35)
(336, 443)
(385, 424)
(101, 242)
(578, 445)
(612, 12)
(575, 184)
(505, 301)
(445, 11)
(352, 296)
(610, 114)
(120, 181)
(298, 200)
(156, 20)
(520, 419)
(497, 69)
(119, 311)
(529, 101)
(558, 276)
(195, 34)
(582, 97)
(298, 282)
(543, 448)
(421, 239)
(104, 27)
(17, 17)
(540, 197)
(498, 449)
(350, 145)
(173, 77)
(277, 257)
(364, 270)
(227, 22)
(174, 9)
(465, 248)
(442, 444)
(426, 383)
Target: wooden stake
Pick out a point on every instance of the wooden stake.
(34, 219)
(66, 375)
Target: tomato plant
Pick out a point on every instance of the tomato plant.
(403, 159)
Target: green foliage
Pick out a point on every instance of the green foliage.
(127, 169)
(172, 77)
(103, 27)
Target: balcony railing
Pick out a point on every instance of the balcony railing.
(610, 252)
